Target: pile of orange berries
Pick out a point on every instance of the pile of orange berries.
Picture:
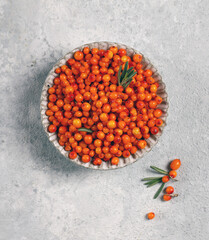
(85, 94)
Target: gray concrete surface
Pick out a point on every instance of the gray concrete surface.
(42, 194)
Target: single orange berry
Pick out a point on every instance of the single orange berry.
(150, 215)
(85, 158)
(114, 160)
(165, 179)
(148, 73)
(77, 123)
(88, 139)
(100, 135)
(142, 144)
(158, 113)
(175, 164)
(166, 197)
(111, 124)
(172, 173)
(72, 155)
(78, 55)
(97, 161)
(52, 128)
(169, 190)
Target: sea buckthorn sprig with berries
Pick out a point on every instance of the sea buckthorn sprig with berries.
(104, 105)
(151, 181)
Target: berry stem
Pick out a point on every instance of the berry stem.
(172, 195)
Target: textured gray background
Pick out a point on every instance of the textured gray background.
(43, 195)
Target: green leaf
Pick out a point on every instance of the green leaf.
(119, 72)
(130, 69)
(131, 74)
(124, 71)
(159, 190)
(159, 170)
(150, 178)
(153, 183)
(85, 130)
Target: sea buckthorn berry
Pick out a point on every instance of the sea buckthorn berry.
(77, 123)
(97, 161)
(126, 154)
(175, 164)
(152, 104)
(49, 112)
(142, 144)
(166, 197)
(100, 135)
(62, 130)
(85, 151)
(103, 117)
(159, 122)
(52, 98)
(150, 215)
(153, 88)
(147, 73)
(72, 155)
(85, 158)
(169, 190)
(135, 131)
(78, 55)
(114, 49)
(86, 107)
(133, 150)
(110, 137)
(86, 50)
(109, 54)
(78, 149)
(165, 179)
(106, 108)
(78, 136)
(172, 173)
(158, 113)
(97, 143)
(121, 52)
(52, 128)
(158, 100)
(113, 149)
(154, 130)
(111, 124)
(125, 139)
(115, 161)
(79, 98)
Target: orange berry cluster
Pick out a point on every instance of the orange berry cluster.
(86, 94)
(174, 165)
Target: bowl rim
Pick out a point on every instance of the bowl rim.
(53, 137)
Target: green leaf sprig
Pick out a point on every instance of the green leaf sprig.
(151, 181)
(125, 78)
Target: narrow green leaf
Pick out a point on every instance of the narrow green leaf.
(85, 130)
(119, 73)
(131, 74)
(152, 184)
(150, 178)
(151, 181)
(159, 170)
(126, 85)
(129, 70)
(159, 190)
(124, 71)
